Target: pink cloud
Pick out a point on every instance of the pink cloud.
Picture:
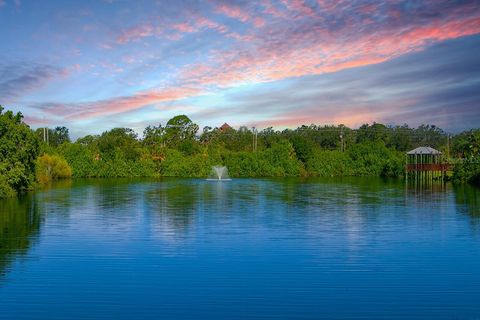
(137, 32)
(299, 6)
(271, 9)
(258, 22)
(203, 22)
(279, 54)
(368, 9)
(183, 27)
(325, 39)
(240, 14)
(365, 112)
(172, 30)
(197, 24)
(233, 12)
(35, 121)
(118, 105)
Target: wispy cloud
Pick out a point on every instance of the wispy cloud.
(233, 11)
(300, 7)
(414, 88)
(128, 58)
(17, 80)
(138, 32)
(320, 46)
(173, 30)
(80, 111)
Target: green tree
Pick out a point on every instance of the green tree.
(84, 160)
(59, 135)
(180, 128)
(304, 147)
(402, 138)
(467, 145)
(329, 163)
(19, 149)
(154, 136)
(55, 136)
(373, 158)
(429, 135)
(374, 132)
(119, 142)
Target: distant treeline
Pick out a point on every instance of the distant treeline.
(177, 149)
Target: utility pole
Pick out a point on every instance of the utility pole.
(342, 148)
(254, 139)
(45, 135)
(448, 146)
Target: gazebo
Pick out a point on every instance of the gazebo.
(425, 163)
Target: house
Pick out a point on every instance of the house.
(225, 127)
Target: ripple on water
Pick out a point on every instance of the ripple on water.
(176, 248)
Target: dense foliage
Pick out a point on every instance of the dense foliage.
(18, 152)
(115, 153)
(177, 149)
(467, 150)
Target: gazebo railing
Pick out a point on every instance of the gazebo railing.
(429, 167)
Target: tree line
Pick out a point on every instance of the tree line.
(179, 149)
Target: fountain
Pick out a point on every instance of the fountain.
(219, 173)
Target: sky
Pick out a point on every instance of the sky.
(93, 65)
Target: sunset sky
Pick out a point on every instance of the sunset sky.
(97, 64)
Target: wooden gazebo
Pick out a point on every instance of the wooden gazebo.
(425, 163)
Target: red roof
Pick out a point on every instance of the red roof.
(225, 127)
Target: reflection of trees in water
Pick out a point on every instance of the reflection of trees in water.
(174, 203)
(111, 202)
(468, 197)
(110, 195)
(327, 193)
(19, 225)
(112, 199)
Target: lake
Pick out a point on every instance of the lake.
(241, 249)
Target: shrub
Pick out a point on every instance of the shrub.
(330, 163)
(176, 164)
(375, 159)
(52, 167)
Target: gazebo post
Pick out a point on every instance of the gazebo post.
(414, 167)
(421, 168)
(406, 167)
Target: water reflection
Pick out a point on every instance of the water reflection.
(170, 208)
(19, 228)
(467, 199)
(241, 249)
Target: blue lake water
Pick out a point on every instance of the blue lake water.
(242, 249)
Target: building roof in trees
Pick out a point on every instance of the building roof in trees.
(225, 127)
(424, 150)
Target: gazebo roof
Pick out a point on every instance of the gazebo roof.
(424, 150)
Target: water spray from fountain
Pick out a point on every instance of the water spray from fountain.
(219, 173)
